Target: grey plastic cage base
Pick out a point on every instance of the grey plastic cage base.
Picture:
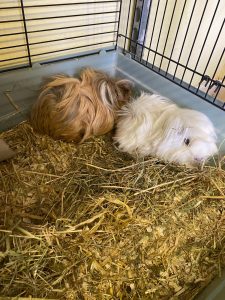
(23, 86)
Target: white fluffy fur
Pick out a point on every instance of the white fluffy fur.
(153, 125)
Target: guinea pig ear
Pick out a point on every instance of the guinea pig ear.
(106, 94)
(124, 88)
(125, 84)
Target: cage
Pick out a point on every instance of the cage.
(171, 47)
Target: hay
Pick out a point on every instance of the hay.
(89, 222)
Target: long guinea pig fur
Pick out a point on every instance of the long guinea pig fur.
(74, 109)
(154, 125)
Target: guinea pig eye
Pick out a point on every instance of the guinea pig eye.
(187, 141)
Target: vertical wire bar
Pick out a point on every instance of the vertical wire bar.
(26, 34)
(175, 39)
(132, 24)
(153, 29)
(147, 21)
(160, 31)
(210, 56)
(213, 49)
(128, 19)
(219, 61)
(168, 32)
(139, 26)
(118, 26)
(193, 44)
(215, 97)
(207, 34)
(182, 47)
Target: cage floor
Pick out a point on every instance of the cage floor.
(80, 223)
(89, 222)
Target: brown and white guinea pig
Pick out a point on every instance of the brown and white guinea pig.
(75, 109)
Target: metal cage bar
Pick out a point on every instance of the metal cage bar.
(46, 31)
(25, 31)
(181, 54)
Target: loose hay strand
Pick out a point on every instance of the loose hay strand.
(72, 228)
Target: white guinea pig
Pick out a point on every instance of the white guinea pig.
(154, 125)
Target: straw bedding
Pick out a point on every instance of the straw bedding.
(89, 222)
